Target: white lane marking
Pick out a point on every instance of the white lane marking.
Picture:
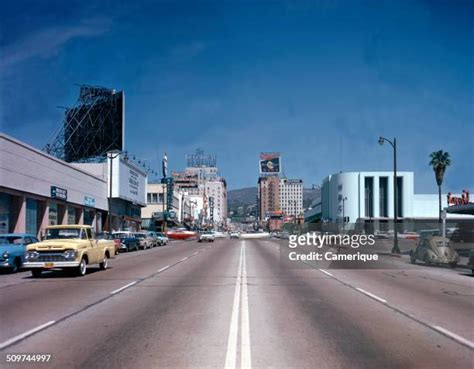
(245, 359)
(231, 354)
(183, 259)
(196, 253)
(329, 274)
(122, 288)
(26, 334)
(454, 336)
(375, 297)
(163, 269)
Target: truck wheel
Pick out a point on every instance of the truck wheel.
(104, 265)
(36, 273)
(81, 269)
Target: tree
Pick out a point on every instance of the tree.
(440, 160)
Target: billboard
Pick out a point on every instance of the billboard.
(95, 125)
(270, 163)
(128, 181)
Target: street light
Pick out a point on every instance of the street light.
(395, 249)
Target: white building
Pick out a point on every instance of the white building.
(216, 194)
(291, 196)
(368, 196)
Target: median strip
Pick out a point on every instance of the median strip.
(122, 288)
(22, 336)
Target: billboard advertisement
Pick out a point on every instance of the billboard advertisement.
(95, 125)
(270, 163)
(128, 181)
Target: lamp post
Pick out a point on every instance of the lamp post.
(111, 155)
(395, 249)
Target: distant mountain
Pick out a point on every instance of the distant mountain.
(242, 197)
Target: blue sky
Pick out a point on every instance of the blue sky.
(240, 77)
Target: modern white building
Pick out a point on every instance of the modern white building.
(291, 196)
(368, 197)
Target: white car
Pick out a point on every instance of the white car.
(206, 237)
(234, 235)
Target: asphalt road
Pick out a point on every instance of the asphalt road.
(233, 304)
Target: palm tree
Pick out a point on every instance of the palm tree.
(440, 160)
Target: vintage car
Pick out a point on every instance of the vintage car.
(128, 241)
(145, 240)
(434, 250)
(13, 248)
(206, 237)
(69, 247)
(162, 239)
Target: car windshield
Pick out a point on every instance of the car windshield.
(52, 234)
(160, 234)
(12, 240)
(442, 243)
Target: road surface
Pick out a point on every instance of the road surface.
(232, 304)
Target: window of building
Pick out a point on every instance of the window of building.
(400, 197)
(383, 196)
(369, 193)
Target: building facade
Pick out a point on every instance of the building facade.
(37, 190)
(291, 196)
(367, 197)
(268, 196)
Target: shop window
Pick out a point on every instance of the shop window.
(71, 215)
(53, 214)
(32, 214)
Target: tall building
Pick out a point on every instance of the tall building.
(268, 195)
(291, 196)
(201, 178)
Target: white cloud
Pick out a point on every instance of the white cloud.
(46, 42)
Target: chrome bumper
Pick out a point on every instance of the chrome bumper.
(56, 264)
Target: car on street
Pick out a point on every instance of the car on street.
(128, 241)
(69, 247)
(13, 248)
(234, 234)
(145, 240)
(434, 250)
(206, 236)
(162, 238)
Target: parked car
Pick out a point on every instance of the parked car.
(434, 250)
(145, 240)
(128, 241)
(13, 248)
(206, 237)
(162, 238)
(72, 247)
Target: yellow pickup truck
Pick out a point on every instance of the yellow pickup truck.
(72, 247)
